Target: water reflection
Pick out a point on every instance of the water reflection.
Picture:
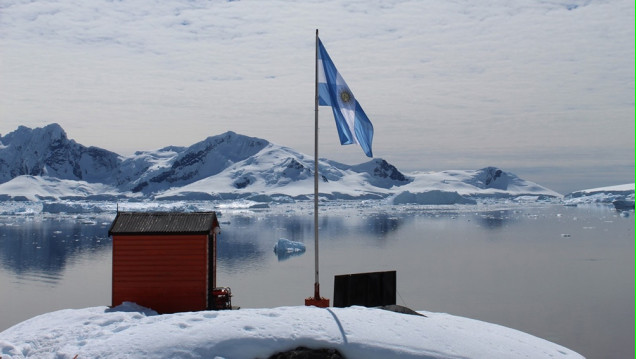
(268, 227)
(247, 238)
(381, 225)
(496, 219)
(39, 249)
(284, 255)
(232, 253)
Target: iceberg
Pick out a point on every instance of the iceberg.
(285, 248)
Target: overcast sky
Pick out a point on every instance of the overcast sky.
(543, 89)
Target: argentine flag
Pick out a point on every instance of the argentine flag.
(352, 123)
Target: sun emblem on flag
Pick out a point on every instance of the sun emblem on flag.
(345, 95)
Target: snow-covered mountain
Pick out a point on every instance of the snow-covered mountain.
(43, 164)
(48, 152)
(153, 172)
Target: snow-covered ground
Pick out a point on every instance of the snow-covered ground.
(130, 331)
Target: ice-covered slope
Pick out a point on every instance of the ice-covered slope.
(43, 164)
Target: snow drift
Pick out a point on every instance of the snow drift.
(356, 332)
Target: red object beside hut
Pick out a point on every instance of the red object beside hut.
(165, 261)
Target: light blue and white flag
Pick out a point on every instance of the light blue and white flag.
(352, 123)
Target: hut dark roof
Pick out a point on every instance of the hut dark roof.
(163, 222)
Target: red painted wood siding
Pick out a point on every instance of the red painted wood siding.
(167, 273)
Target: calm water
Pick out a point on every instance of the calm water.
(565, 274)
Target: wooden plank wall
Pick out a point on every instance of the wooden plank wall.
(167, 273)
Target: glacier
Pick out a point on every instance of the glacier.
(621, 196)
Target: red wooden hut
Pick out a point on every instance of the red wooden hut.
(165, 261)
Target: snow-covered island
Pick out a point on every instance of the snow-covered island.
(42, 164)
(130, 331)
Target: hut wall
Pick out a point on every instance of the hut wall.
(167, 273)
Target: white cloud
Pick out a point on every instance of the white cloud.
(464, 78)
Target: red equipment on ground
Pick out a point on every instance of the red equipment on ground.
(222, 298)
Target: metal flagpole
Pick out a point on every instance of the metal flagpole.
(316, 299)
(317, 282)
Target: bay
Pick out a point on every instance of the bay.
(565, 274)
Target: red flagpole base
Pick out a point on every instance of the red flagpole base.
(317, 300)
(320, 302)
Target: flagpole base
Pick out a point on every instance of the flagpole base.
(317, 302)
